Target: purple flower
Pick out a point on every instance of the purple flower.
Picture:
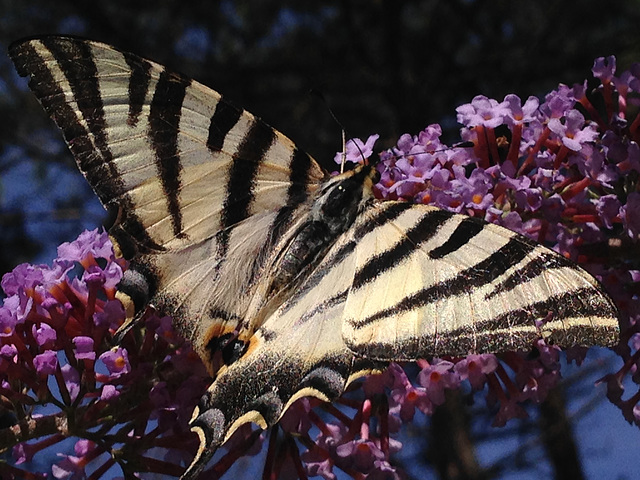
(558, 102)
(89, 243)
(436, 378)
(629, 215)
(608, 207)
(9, 317)
(473, 191)
(604, 68)
(46, 362)
(71, 380)
(356, 150)
(83, 447)
(117, 362)
(573, 131)
(383, 470)
(112, 315)
(44, 335)
(8, 352)
(318, 464)
(475, 368)
(23, 277)
(84, 348)
(359, 454)
(529, 199)
(93, 275)
(109, 392)
(518, 113)
(429, 138)
(69, 468)
(483, 111)
(405, 398)
(405, 143)
(24, 452)
(26, 277)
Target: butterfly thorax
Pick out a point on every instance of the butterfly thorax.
(333, 211)
(329, 214)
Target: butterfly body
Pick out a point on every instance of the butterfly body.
(287, 281)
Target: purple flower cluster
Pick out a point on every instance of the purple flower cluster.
(60, 377)
(550, 171)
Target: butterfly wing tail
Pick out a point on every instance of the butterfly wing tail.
(209, 442)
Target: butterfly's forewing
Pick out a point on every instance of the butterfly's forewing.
(428, 282)
(179, 161)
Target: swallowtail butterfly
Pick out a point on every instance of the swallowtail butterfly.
(287, 281)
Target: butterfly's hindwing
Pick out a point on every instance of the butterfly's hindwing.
(288, 283)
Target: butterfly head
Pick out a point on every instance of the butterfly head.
(344, 195)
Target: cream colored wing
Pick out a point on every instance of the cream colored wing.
(429, 282)
(177, 160)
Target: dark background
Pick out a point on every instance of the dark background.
(386, 67)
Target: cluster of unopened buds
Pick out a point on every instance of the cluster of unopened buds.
(561, 172)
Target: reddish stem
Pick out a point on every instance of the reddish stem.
(534, 151)
(514, 148)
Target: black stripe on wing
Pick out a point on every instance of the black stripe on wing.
(542, 263)
(464, 232)
(76, 62)
(481, 274)
(138, 86)
(164, 120)
(241, 180)
(89, 147)
(224, 118)
(421, 232)
(297, 193)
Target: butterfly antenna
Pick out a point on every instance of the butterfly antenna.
(466, 144)
(339, 123)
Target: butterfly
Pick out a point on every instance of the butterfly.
(289, 282)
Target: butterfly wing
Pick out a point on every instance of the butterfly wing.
(430, 283)
(195, 180)
(179, 161)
